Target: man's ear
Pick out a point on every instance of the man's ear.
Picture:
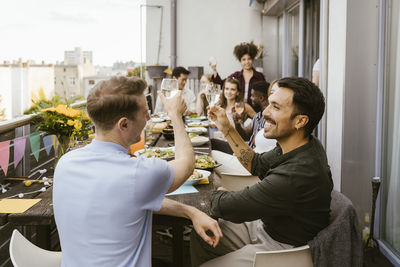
(122, 124)
(301, 121)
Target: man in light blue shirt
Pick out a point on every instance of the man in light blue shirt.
(104, 199)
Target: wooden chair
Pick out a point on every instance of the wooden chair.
(25, 254)
(299, 257)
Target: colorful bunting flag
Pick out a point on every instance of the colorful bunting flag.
(19, 149)
(4, 155)
(48, 143)
(34, 139)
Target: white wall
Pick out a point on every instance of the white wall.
(41, 77)
(206, 28)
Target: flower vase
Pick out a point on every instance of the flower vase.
(61, 148)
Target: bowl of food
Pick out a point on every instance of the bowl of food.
(168, 133)
(197, 176)
(198, 140)
(205, 162)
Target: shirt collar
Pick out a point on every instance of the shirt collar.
(103, 146)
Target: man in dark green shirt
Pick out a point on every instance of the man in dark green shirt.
(290, 204)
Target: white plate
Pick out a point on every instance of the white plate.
(196, 130)
(155, 120)
(198, 124)
(194, 182)
(139, 152)
(199, 140)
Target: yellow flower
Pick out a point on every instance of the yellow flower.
(77, 124)
(85, 117)
(70, 122)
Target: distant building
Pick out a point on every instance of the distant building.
(78, 57)
(68, 80)
(90, 82)
(19, 80)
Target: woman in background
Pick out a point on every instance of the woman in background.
(231, 94)
(245, 53)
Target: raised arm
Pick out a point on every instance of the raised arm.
(241, 149)
(202, 223)
(184, 156)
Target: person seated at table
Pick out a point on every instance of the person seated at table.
(202, 103)
(245, 53)
(254, 131)
(230, 95)
(104, 199)
(181, 74)
(291, 203)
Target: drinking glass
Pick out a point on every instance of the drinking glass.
(169, 87)
(239, 107)
(213, 92)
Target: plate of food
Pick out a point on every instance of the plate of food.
(195, 117)
(198, 140)
(198, 130)
(197, 176)
(166, 153)
(155, 120)
(198, 124)
(205, 162)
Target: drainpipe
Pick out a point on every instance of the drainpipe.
(173, 34)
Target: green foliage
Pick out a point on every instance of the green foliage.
(136, 72)
(41, 102)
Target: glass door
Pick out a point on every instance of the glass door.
(390, 197)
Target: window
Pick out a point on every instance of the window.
(91, 82)
(72, 81)
(390, 198)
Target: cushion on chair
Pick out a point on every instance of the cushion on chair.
(339, 244)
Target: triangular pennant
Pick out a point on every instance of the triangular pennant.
(19, 149)
(54, 141)
(4, 155)
(34, 139)
(48, 143)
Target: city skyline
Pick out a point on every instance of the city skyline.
(42, 30)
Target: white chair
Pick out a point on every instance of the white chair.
(299, 257)
(25, 254)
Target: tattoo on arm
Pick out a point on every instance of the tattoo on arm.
(245, 157)
(233, 139)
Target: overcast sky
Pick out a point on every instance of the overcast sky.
(44, 29)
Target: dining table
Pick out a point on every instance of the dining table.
(41, 216)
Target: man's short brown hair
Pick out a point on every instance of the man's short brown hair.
(113, 99)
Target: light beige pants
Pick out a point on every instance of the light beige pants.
(237, 248)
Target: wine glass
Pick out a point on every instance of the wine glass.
(213, 92)
(239, 107)
(169, 87)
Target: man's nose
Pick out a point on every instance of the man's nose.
(265, 112)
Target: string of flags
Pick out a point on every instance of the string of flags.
(19, 145)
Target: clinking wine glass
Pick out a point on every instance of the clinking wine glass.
(213, 92)
(239, 107)
(169, 87)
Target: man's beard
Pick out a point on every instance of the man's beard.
(257, 107)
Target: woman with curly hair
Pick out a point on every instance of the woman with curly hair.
(245, 53)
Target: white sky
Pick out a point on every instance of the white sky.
(44, 29)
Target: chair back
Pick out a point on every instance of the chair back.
(25, 254)
(299, 257)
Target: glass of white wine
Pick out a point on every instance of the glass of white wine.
(213, 92)
(169, 87)
(239, 107)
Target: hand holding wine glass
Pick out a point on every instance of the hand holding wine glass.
(169, 87)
